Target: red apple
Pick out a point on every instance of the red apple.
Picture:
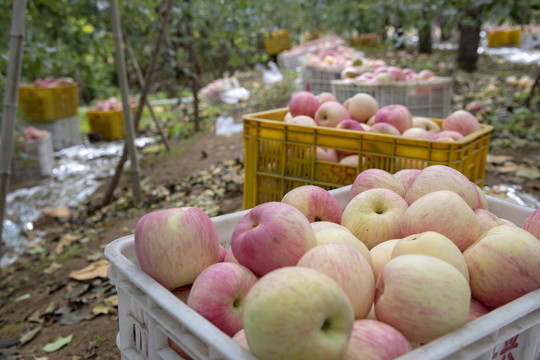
(330, 155)
(397, 115)
(532, 223)
(375, 178)
(461, 121)
(384, 128)
(349, 124)
(326, 96)
(316, 203)
(303, 103)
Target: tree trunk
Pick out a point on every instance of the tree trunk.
(469, 38)
(424, 38)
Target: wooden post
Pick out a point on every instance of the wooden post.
(126, 106)
(11, 98)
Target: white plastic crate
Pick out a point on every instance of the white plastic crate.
(430, 98)
(318, 79)
(149, 314)
(33, 159)
(293, 58)
(65, 132)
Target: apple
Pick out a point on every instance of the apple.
(461, 121)
(352, 160)
(433, 244)
(174, 245)
(326, 96)
(442, 177)
(395, 114)
(384, 128)
(381, 255)
(324, 225)
(482, 200)
(297, 313)
(375, 340)
(271, 235)
(503, 265)
(222, 252)
(302, 120)
(218, 294)
(488, 220)
(229, 257)
(406, 177)
(240, 339)
(383, 77)
(303, 103)
(445, 212)
(349, 72)
(349, 269)
(447, 135)
(422, 297)
(330, 155)
(287, 117)
(396, 73)
(330, 114)
(425, 74)
(341, 235)
(350, 124)
(371, 121)
(374, 216)
(473, 107)
(316, 203)
(182, 293)
(375, 178)
(476, 310)
(416, 133)
(427, 124)
(361, 107)
(532, 223)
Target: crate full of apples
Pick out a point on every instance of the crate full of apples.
(411, 265)
(320, 141)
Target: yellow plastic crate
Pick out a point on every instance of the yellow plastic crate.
(279, 156)
(514, 36)
(109, 123)
(276, 42)
(49, 104)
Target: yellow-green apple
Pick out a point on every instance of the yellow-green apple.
(361, 107)
(324, 225)
(174, 245)
(532, 223)
(381, 255)
(447, 135)
(406, 177)
(333, 235)
(442, 177)
(240, 339)
(503, 265)
(229, 257)
(433, 244)
(350, 124)
(384, 128)
(326, 96)
(482, 200)
(425, 123)
(316, 203)
(303, 103)
(297, 313)
(395, 114)
(218, 295)
(422, 297)
(287, 116)
(330, 114)
(349, 269)
(374, 216)
(445, 212)
(375, 340)
(371, 121)
(416, 133)
(302, 120)
(330, 155)
(352, 160)
(271, 235)
(476, 310)
(461, 121)
(375, 178)
(383, 77)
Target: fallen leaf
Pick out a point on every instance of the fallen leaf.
(76, 291)
(65, 241)
(52, 268)
(112, 300)
(508, 167)
(57, 212)
(100, 309)
(75, 317)
(35, 317)
(92, 271)
(59, 343)
(22, 297)
(98, 255)
(499, 159)
(30, 335)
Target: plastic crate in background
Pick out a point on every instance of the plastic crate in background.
(33, 159)
(318, 79)
(110, 124)
(65, 132)
(431, 98)
(49, 104)
(149, 315)
(279, 156)
(276, 41)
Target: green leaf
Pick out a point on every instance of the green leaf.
(30, 335)
(59, 343)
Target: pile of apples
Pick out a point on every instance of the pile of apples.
(111, 104)
(314, 46)
(361, 112)
(410, 257)
(32, 133)
(385, 74)
(52, 82)
(338, 57)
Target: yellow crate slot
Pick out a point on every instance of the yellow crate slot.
(49, 104)
(109, 123)
(280, 156)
